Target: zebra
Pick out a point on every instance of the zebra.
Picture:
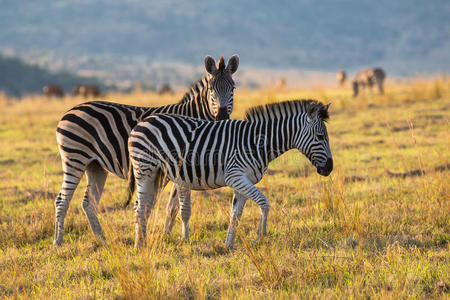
(92, 137)
(53, 90)
(86, 90)
(369, 77)
(200, 155)
(341, 77)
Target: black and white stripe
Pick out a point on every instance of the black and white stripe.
(197, 154)
(92, 137)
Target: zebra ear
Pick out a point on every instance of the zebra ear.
(322, 112)
(210, 65)
(311, 112)
(233, 63)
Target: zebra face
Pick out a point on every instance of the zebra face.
(221, 86)
(313, 141)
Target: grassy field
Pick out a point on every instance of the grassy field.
(378, 227)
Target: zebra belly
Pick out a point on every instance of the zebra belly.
(197, 186)
(201, 183)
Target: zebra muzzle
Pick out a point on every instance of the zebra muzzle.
(327, 168)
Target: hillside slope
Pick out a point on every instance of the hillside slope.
(18, 78)
(407, 36)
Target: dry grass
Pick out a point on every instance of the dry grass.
(378, 227)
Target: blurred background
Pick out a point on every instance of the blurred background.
(124, 45)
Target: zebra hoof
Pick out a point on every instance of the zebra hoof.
(101, 241)
(229, 246)
(57, 243)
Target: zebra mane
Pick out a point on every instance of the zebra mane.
(194, 88)
(287, 108)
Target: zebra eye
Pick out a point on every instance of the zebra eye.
(320, 137)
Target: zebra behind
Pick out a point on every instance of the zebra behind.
(341, 77)
(202, 155)
(369, 77)
(92, 137)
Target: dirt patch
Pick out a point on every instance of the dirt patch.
(27, 195)
(272, 172)
(299, 172)
(442, 168)
(362, 144)
(374, 158)
(400, 128)
(411, 173)
(412, 101)
(339, 133)
(6, 188)
(350, 179)
(56, 173)
(417, 172)
(104, 209)
(367, 125)
(433, 117)
(403, 146)
(7, 162)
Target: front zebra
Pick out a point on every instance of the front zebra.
(92, 137)
(201, 155)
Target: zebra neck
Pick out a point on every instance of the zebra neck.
(195, 101)
(275, 136)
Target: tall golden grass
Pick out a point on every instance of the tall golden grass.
(378, 227)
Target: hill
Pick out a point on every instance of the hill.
(18, 78)
(403, 36)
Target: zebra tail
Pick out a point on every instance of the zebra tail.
(131, 184)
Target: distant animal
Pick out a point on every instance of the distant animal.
(280, 84)
(86, 90)
(165, 89)
(341, 77)
(203, 155)
(53, 91)
(92, 138)
(369, 77)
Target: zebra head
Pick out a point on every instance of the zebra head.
(221, 86)
(313, 139)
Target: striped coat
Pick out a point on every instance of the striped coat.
(200, 155)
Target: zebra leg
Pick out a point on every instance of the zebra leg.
(370, 84)
(96, 177)
(147, 190)
(184, 196)
(72, 177)
(236, 213)
(242, 185)
(171, 210)
(380, 87)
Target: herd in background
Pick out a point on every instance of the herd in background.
(364, 78)
(83, 90)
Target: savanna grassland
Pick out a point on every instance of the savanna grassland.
(377, 227)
